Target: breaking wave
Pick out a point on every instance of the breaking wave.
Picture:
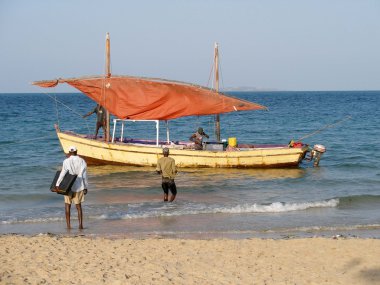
(195, 209)
(159, 209)
(277, 207)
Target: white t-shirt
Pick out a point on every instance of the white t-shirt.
(75, 165)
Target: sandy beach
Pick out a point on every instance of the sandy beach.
(47, 259)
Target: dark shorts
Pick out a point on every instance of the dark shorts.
(169, 184)
(100, 124)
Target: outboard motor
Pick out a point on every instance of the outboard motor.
(316, 153)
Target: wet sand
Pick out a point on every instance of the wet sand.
(50, 259)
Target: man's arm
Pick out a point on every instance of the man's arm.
(84, 176)
(194, 138)
(89, 113)
(62, 174)
(158, 168)
(174, 168)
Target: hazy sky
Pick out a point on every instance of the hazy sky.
(285, 45)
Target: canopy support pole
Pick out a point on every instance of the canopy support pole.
(167, 131)
(114, 130)
(158, 132)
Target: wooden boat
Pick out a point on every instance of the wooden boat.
(148, 99)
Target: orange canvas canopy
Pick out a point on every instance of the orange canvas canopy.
(137, 98)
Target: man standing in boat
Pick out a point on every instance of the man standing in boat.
(75, 165)
(166, 167)
(197, 138)
(101, 119)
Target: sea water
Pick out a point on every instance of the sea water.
(341, 196)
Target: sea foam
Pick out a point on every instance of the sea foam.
(190, 209)
(278, 207)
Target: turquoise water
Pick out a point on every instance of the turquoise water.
(341, 196)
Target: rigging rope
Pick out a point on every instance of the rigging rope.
(56, 101)
(69, 108)
(325, 127)
(29, 140)
(26, 141)
(56, 108)
(209, 77)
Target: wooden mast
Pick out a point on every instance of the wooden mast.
(216, 71)
(108, 75)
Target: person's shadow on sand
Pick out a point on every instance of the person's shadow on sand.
(371, 276)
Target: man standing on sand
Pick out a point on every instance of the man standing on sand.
(101, 119)
(166, 167)
(75, 165)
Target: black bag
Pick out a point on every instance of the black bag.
(65, 186)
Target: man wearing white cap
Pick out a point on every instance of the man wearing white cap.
(75, 165)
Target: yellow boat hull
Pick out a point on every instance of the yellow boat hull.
(100, 152)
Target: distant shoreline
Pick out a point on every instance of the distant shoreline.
(249, 89)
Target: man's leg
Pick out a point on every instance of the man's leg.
(80, 215)
(98, 125)
(67, 213)
(165, 187)
(104, 126)
(173, 190)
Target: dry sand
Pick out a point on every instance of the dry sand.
(81, 260)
